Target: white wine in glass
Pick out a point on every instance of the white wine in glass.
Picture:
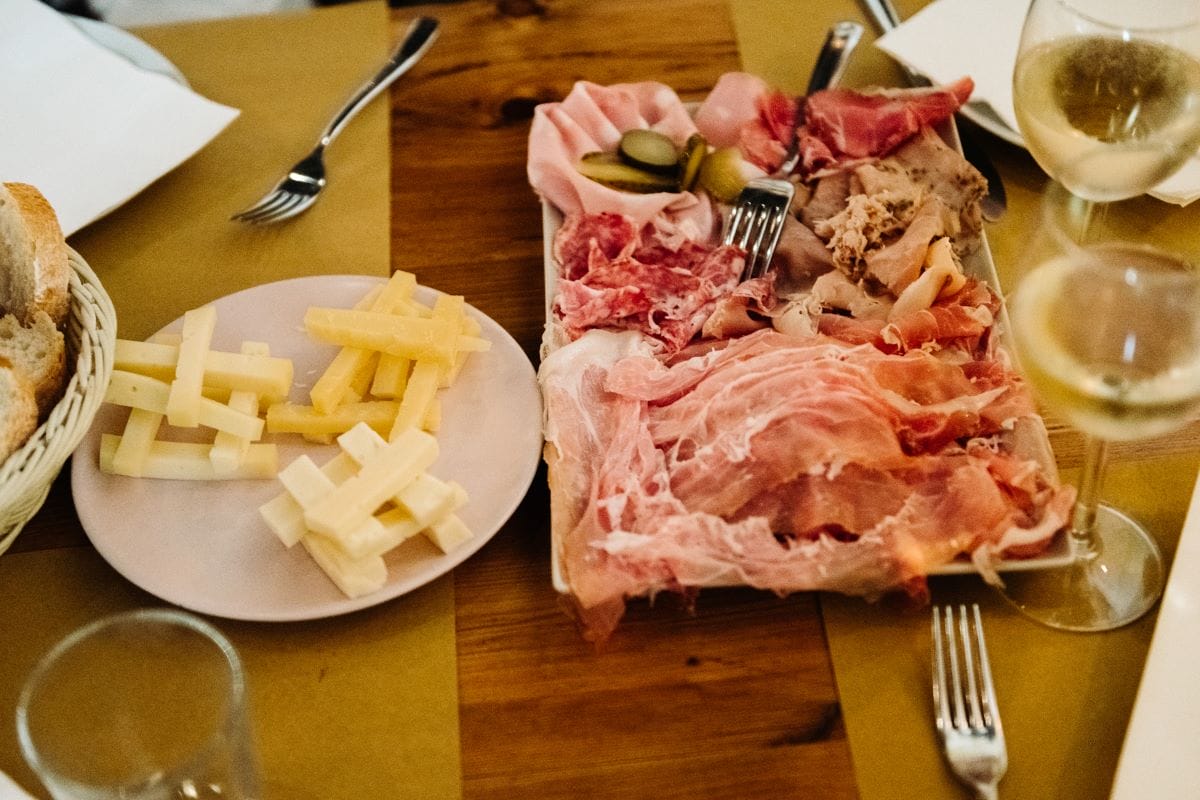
(1108, 336)
(1107, 92)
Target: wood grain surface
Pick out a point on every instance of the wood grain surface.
(737, 700)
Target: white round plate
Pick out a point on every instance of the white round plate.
(985, 117)
(129, 47)
(203, 545)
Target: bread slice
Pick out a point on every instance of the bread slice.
(18, 410)
(36, 349)
(34, 273)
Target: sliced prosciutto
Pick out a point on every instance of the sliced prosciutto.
(785, 463)
(844, 125)
(614, 275)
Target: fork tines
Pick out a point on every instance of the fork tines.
(964, 696)
(970, 698)
(756, 222)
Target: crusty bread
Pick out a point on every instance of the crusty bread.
(18, 410)
(38, 350)
(34, 272)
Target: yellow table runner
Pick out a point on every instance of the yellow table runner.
(1066, 698)
(363, 705)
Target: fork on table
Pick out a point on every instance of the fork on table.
(298, 189)
(964, 700)
(756, 222)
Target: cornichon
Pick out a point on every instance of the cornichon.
(690, 160)
(649, 150)
(610, 170)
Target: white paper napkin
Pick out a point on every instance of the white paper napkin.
(1161, 755)
(10, 791)
(83, 124)
(951, 38)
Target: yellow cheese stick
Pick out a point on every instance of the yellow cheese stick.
(183, 401)
(268, 376)
(291, 418)
(433, 417)
(470, 327)
(350, 363)
(418, 396)
(408, 337)
(148, 394)
(228, 450)
(377, 481)
(189, 461)
(141, 429)
(391, 376)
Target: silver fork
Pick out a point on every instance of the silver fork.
(964, 701)
(298, 190)
(756, 222)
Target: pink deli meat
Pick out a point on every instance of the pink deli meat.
(785, 463)
(591, 119)
(743, 111)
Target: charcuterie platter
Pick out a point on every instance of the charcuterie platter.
(852, 422)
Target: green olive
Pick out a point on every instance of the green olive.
(722, 175)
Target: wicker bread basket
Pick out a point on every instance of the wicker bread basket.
(26, 476)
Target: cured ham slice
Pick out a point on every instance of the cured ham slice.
(841, 124)
(784, 463)
(614, 276)
(745, 310)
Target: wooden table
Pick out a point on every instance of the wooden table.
(738, 700)
(735, 700)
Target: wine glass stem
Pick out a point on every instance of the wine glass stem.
(1091, 481)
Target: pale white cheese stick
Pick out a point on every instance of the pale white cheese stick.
(183, 402)
(189, 461)
(228, 449)
(377, 481)
(139, 391)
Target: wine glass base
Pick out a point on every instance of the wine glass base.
(1104, 587)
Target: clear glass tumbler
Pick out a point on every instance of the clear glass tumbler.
(144, 705)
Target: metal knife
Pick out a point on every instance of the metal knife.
(995, 202)
(831, 63)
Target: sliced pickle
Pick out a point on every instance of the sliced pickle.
(690, 160)
(722, 174)
(649, 150)
(610, 170)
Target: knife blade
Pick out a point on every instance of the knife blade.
(831, 61)
(995, 202)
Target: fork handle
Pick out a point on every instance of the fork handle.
(417, 39)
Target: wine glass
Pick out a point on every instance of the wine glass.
(1107, 92)
(1108, 336)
